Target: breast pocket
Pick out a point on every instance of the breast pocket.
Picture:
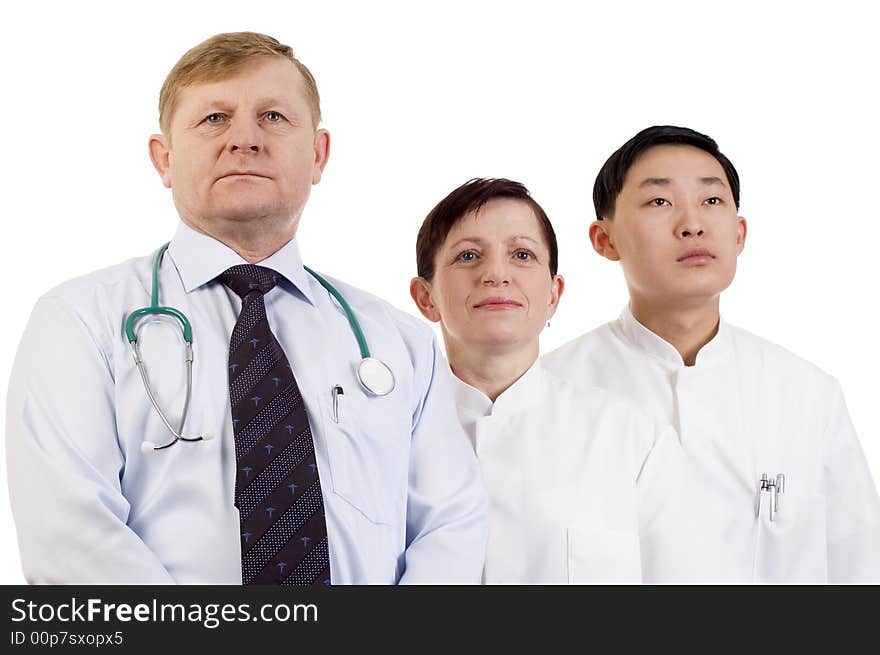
(597, 555)
(792, 547)
(368, 452)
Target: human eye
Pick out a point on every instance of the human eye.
(214, 119)
(714, 200)
(274, 116)
(658, 202)
(466, 256)
(524, 255)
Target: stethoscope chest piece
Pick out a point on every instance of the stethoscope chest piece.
(375, 376)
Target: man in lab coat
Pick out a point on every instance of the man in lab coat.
(782, 488)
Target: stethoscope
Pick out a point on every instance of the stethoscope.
(373, 374)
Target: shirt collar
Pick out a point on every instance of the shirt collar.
(641, 337)
(474, 403)
(200, 258)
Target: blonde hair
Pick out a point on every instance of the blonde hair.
(220, 57)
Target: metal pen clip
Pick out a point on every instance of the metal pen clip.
(762, 487)
(337, 391)
(771, 488)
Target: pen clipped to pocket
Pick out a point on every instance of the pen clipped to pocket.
(775, 490)
(337, 394)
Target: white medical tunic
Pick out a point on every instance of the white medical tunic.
(402, 491)
(583, 488)
(748, 407)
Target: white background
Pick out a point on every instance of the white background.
(419, 97)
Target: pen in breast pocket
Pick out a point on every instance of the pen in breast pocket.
(762, 487)
(771, 489)
(780, 490)
(775, 489)
(337, 391)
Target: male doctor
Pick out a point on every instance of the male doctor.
(782, 490)
(290, 471)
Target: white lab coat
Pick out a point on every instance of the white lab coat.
(402, 492)
(583, 488)
(749, 407)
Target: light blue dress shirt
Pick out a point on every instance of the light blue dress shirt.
(404, 500)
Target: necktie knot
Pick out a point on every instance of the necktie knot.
(247, 278)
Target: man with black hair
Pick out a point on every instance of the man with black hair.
(781, 486)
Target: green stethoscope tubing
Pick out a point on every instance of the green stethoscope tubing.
(155, 308)
(349, 314)
(372, 374)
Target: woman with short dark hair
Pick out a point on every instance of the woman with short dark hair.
(583, 488)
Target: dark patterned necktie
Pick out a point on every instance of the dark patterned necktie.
(277, 490)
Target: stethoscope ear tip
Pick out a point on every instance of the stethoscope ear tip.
(148, 447)
(207, 436)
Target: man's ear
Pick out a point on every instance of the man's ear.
(600, 237)
(420, 290)
(322, 154)
(160, 155)
(741, 231)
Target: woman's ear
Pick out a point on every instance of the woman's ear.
(420, 290)
(557, 286)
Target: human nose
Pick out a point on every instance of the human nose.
(495, 271)
(689, 224)
(245, 137)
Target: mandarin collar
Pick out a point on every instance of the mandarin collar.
(642, 338)
(200, 258)
(475, 404)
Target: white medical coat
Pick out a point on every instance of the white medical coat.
(402, 491)
(745, 408)
(583, 488)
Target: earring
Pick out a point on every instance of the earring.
(548, 323)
